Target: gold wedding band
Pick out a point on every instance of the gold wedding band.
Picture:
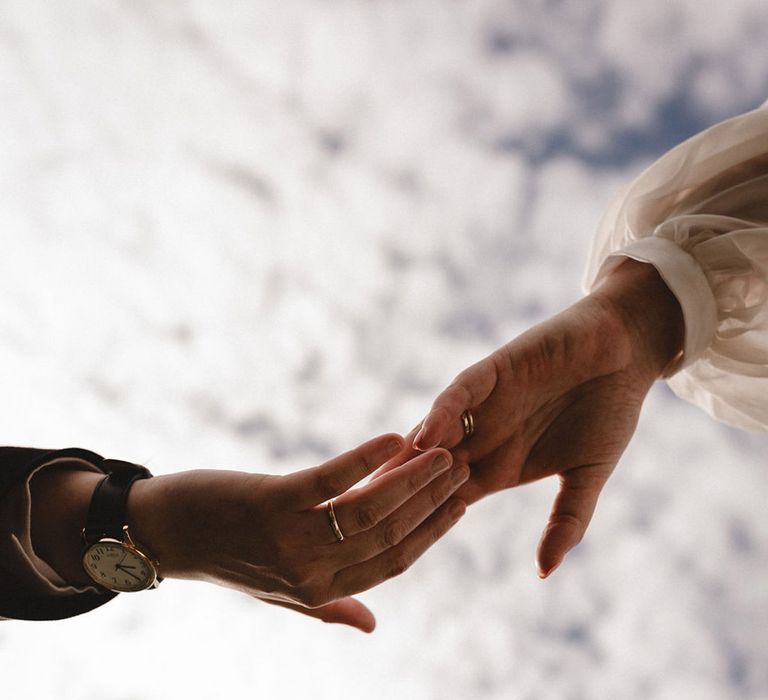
(468, 424)
(334, 523)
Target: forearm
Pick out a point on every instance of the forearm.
(651, 314)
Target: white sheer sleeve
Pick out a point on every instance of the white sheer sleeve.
(700, 215)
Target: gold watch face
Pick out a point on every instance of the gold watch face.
(119, 567)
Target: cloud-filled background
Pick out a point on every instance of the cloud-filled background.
(253, 234)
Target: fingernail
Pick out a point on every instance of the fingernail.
(423, 442)
(460, 475)
(393, 447)
(543, 573)
(440, 464)
(417, 440)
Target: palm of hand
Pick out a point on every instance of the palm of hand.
(274, 537)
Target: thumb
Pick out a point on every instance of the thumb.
(347, 611)
(571, 512)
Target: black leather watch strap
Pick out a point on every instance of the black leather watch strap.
(106, 513)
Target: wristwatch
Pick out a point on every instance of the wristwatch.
(111, 557)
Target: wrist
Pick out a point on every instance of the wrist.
(650, 313)
(179, 518)
(150, 522)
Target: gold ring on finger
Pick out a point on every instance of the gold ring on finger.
(467, 424)
(334, 523)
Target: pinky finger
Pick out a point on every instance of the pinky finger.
(398, 560)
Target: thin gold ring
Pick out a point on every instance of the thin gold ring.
(468, 424)
(334, 523)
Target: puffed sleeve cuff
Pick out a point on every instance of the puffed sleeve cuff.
(686, 280)
(40, 575)
(30, 589)
(699, 215)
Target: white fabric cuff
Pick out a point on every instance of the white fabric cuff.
(686, 280)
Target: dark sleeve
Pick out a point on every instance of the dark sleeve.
(16, 464)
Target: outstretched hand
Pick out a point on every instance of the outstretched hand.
(272, 537)
(563, 398)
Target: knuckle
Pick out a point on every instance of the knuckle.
(364, 459)
(415, 482)
(437, 532)
(438, 495)
(329, 485)
(568, 519)
(393, 534)
(399, 566)
(366, 516)
(576, 523)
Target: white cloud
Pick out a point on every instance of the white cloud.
(254, 233)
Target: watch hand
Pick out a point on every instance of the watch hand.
(130, 573)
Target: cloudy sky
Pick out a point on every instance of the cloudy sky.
(253, 234)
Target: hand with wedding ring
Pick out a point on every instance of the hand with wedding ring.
(562, 398)
(304, 541)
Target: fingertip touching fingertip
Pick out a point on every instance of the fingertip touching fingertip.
(423, 441)
(418, 440)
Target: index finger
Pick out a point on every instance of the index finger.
(309, 487)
